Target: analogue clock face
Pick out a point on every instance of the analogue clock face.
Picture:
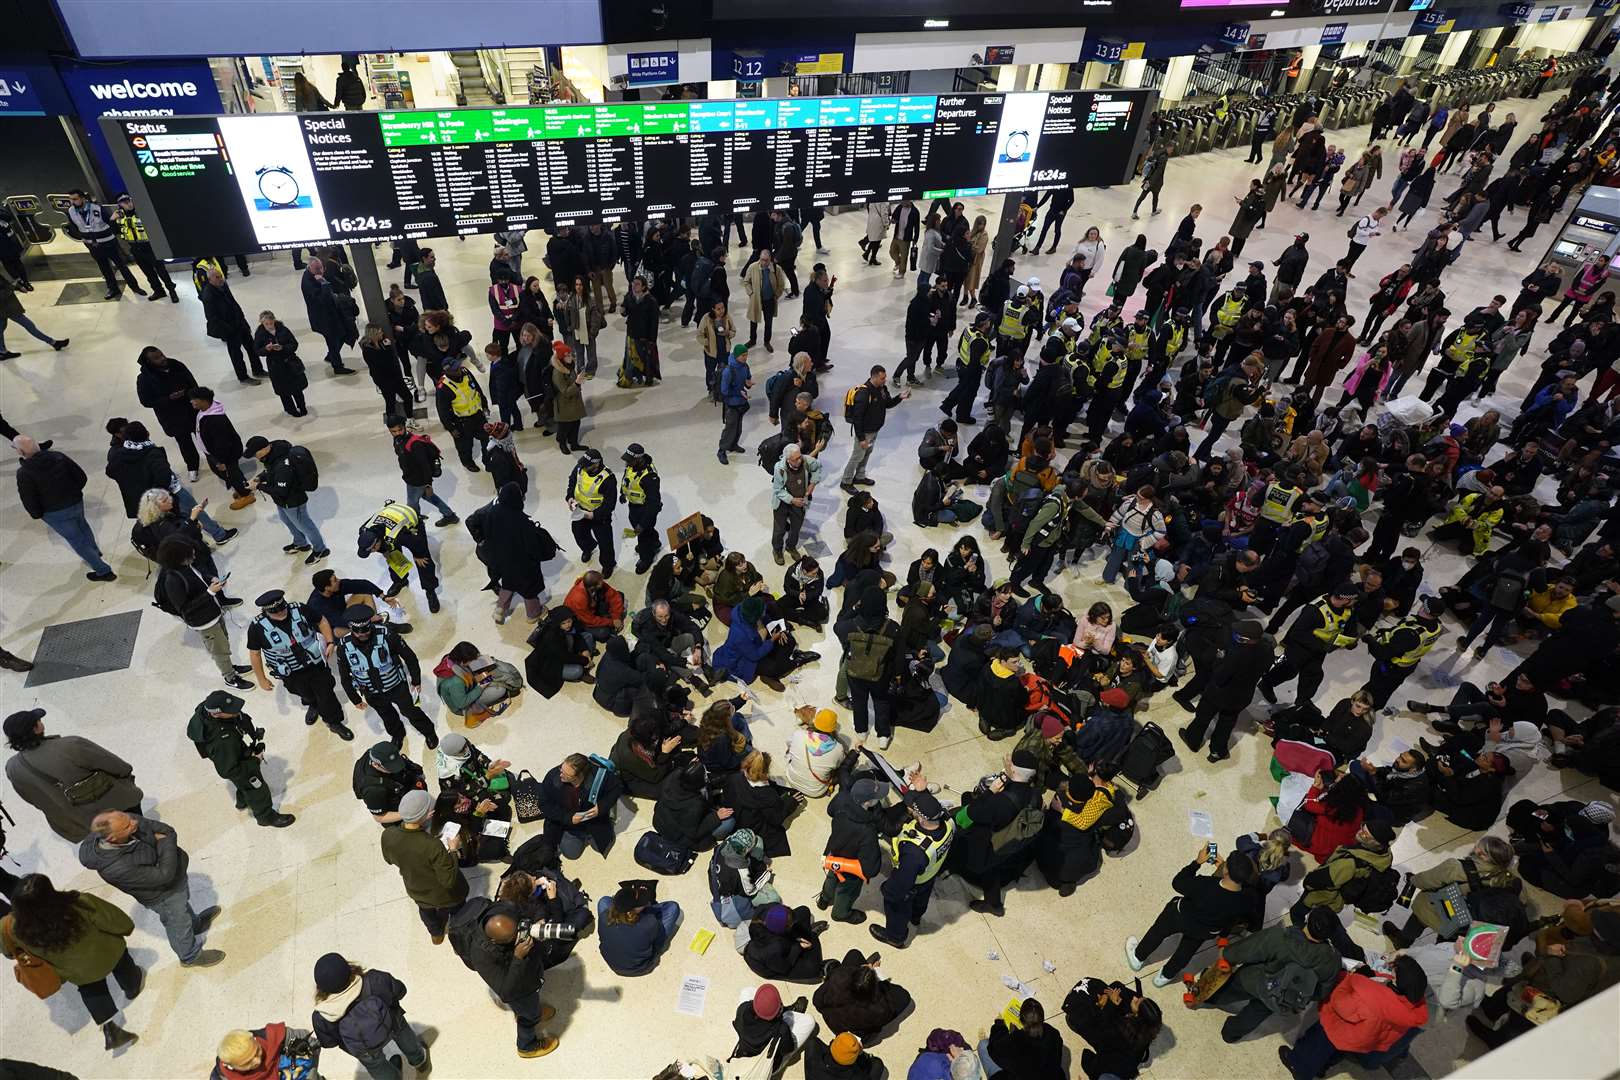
(1017, 145)
(278, 186)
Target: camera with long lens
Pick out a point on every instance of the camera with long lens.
(548, 931)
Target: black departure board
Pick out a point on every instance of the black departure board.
(227, 184)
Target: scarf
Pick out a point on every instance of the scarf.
(447, 766)
(334, 1006)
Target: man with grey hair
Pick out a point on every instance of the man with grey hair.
(793, 485)
(674, 641)
(141, 857)
(427, 864)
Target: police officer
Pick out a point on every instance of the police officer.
(1138, 344)
(1397, 650)
(93, 225)
(1276, 509)
(1319, 630)
(293, 643)
(972, 354)
(225, 735)
(398, 533)
(1107, 381)
(381, 778)
(1019, 318)
(133, 231)
(379, 669)
(463, 409)
(641, 492)
(918, 850)
(592, 491)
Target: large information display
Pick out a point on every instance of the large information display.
(227, 184)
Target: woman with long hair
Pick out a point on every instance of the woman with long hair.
(723, 738)
(81, 938)
(1336, 809)
(979, 243)
(158, 517)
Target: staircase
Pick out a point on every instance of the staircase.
(470, 72)
(516, 65)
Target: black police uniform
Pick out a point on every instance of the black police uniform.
(294, 651)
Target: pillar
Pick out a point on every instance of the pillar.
(1175, 79)
(1131, 73)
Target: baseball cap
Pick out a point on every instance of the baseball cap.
(1023, 290)
(1071, 324)
(225, 701)
(739, 349)
(255, 444)
(385, 755)
(1033, 283)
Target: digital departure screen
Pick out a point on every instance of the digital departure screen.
(228, 184)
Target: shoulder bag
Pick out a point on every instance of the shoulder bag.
(526, 797)
(37, 975)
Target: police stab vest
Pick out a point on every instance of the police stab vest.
(633, 491)
(373, 666)
(588, 489)
(1427, 636)
(1333, 622)
(1278, 505)
(935, 846)
(965, 347)
(292, 645)
(465, 400)
(1013, 327)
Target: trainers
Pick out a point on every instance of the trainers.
(236, 682)
(1130, 955)
(547, 1044)
(884, 741)
(205, 918)
(1161, 980)
(59, 344)
(225, 537)
(317, 556)
(191, 474)
(242, 669)
(447, 521)
(500, 614)
(290, 548)
(205, 958)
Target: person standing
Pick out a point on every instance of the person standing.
(764, 283)
(51, 487)
(11, 311)
(873, 659)
(94, 224)
(853, 839)
(66, 778)
(787, 240)
(225, 735)
(217, 437)
(463, 410)
(1244, 660)
(397, 532)
(1398, 650)
(426, 864)
(226, 323)
(358, 1010)
(81, 938)
(640, 365)
(294, 643)
(601, 253)
(592, 492)
(1366, 228)
(918, 852)
(1317, 631)
(818, 303)
(140, 467)
(327, 317)
(198, 601)
(1206, 905)
(643, 494)
(279, 348)
(428, 286)
(420, 463)
(289, 475)
(163, 386)
(485, 935)
(972, 356)
(735, 382)
(866, 407)
(793, 485)
(140, 857)
(1153, 168)
(567, 396)
(379, 669)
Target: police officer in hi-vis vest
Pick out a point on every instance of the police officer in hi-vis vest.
(591, 493)
(133, 231)
(972, 356)
(380, 670)
(918, 850)
(1319, 630)
(293, 643)
(1397, 651)
(641, 493)
(399, 533)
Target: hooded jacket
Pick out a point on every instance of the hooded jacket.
(145, 866)
(1365, 1015)
(154, 385)
(138, 467)
(508, 975)
(362, 1017)
(49, 481)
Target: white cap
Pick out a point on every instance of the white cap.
(1034, 283)
(1023, 290)
(1071, 324)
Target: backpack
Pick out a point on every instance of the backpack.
(1291, 991)
(850, 398)
(775, 382)
(410, 444)
(303, 463)
(1374, 891)
(1350, 233)
(868, 651)
(661, 856)
(702, 268)
(1023, 510)
(1507, 591)
(1147, 751)
(1024, 826)
(160, 598)
(1492, 903)
(770, 451)
(1115, 828)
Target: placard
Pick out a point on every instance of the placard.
(652, 68)
(1333, 33)
(222, 185)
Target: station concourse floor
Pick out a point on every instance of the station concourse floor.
(291, 895)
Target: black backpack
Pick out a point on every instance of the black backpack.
(160, 598)
(1291, 991)
(1147, 751)
(662, 856)
(1115, 827)
(410, 444)
(771, 449)
(303, 463)
(1492, 903)
(1374, 891)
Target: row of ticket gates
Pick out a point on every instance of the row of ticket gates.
(1192, 129)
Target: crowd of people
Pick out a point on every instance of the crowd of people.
(1238, 569)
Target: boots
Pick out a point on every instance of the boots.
(12, 662)
(115, 1037)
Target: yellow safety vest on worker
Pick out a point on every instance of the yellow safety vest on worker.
(965, 346)
(131, 228)
(1136, 344)
(466, 400)
(633, 492)
(1100, 361)
(1319, 528)
(1462, 348)
(1013, 327)
(1427, 636)
(1227, 316)
(1177, 342)
(1100, 327)
(1331, 632)
(396, 518)
(933, 845)
(588, 489)
(1278, 505)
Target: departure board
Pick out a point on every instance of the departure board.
(227, 184)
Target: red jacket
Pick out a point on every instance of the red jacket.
(1329, 835)
(580, 605)
(1364, 1015)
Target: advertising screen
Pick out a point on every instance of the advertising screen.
(221, 185)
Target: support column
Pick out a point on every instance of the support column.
(1130, 75)
(1006, 230)
(1175, 79)
(364, 262)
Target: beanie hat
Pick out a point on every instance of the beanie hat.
(845, 1049)
(561, 350)
(873, 604)
(1597, 812)
(739, 349)
(767, 1002)
(778, 918)
(1382, 831)
(826, 721)
(332, 973)
(1051, 725)
(415, 806)
(1115, 698)
(940, 1041)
